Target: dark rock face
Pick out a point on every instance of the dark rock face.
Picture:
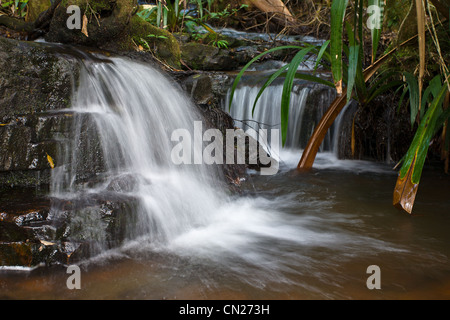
(108, 21)
(113, 26)
(35, 86)
(35, 130)
(203, 57)
(32, 234)
(33, 78)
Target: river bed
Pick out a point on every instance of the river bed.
(289, 236)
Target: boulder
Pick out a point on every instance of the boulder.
(199, 56)
(112, 25)
(35, 7)
(35, 81)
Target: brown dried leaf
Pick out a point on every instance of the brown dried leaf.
(405, 191)
(84, 27)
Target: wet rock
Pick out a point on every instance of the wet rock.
(31, 234)
(33, 78)
(319, 99)
(198, 56)
(35, 81)
(123, 183)
(113, 26)
(107, 20)
(35, 7)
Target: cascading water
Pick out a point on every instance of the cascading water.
(308, 104)
(125, 114)
(134, 110)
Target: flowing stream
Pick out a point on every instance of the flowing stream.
(288, 236)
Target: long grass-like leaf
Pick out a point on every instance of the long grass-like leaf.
(382, 89)
(414, 95)
(241, 73)
(379, 80)
(309, 77)
(269, 81)
(159, 7)
(321, 53)
(377, 24)
(430, 92)
(421, 26)
(287, 88)
(402, 97)
(352, 66)
(353, 74)
(338, 8)
(411, 171)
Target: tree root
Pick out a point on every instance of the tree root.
(18, 28)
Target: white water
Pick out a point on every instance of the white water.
(185, 210)
(267, 113)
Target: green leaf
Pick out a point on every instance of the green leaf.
(338, 8)
(376, 33)
(352, 68)
(177, 8)
(433, 89)
(241, 73)
(159, 14)
(402, 97)
(381, 89)
(416, 155)
(269, 81)
(414, 95)
(287, 88)
(309, 77)
(354, 74)
(322, 50)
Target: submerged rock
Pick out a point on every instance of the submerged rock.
(32, 234)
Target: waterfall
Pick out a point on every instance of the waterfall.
(119, 194)
(125, 114)
(308, 103)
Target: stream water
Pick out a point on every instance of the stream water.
(287, 236)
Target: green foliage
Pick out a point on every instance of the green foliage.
(433, 119)
(16, 8)
(289, 72)
(338, 9)
(192, 16)
(331, 53)
(220, 44)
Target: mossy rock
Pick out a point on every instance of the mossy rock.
(203, 57)
(35, 7)
(113, 25)
(106, 21)
(162, 43)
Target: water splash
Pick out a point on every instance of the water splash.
(124, 114)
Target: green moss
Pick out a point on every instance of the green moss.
(161, 42)
(35, 7)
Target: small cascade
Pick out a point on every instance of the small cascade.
(308, 103)
(120, 156)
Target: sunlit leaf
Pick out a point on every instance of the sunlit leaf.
(338, 9)
(84, 26)
(352, 66)
(50, 161)
(411, 171)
